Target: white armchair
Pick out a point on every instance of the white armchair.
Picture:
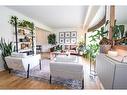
(23, 63)
(67, 70)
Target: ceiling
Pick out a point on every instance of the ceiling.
(55, 16)
(98, 16)
(121, 14)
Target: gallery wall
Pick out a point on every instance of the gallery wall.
(80, 33)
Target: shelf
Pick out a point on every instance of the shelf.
(25, 28)
(24, 37)
(24, 42)
(23, 50)
(25, 34)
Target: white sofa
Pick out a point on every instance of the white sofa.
(18, 62)
(67, 67)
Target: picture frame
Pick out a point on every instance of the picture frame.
(73, 40)
(73, 34)
(61, 41)
(67, 34)
(67, 41)
(61, 34)
(68, 37)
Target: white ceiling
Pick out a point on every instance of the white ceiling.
(121, 14)
(98, 16)
(55, 16)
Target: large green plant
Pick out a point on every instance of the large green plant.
(100, 33)
(52, 39)
(93, 48)
(6, 49)
(118, 31)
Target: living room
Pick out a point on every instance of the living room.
(38, 38)
(58, 48)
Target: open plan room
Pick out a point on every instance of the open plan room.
(68, 47)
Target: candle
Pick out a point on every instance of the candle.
(112, 53)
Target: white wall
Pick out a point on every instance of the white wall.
(7, 31)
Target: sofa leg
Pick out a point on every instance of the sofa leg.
(83, 84)
(28, 70)
(40, 64)
(50, 80)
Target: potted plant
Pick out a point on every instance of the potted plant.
(52, 39)
(81, 47)
(105, 45)
(6, 49)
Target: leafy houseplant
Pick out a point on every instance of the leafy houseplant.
(105, 45)
(58, 48)
(105, 41)
(118, 31)
(21, 23)
(93, 48)
(6, 49)
(102, 32)
(91, 51)
(81, 47)
(52, 39)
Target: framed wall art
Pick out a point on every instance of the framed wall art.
(67, 34)
(73, 34)
(61, 40)
(61, 34)
(67, 41)
(73, 40)
(68, 37)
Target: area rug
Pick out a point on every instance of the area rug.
(44, 75)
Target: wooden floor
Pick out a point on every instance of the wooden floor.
(10, 81)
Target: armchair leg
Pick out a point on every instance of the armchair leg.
(28, 70)
(83, 84)
(40, 64)
(9, 71)
(50, 80)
